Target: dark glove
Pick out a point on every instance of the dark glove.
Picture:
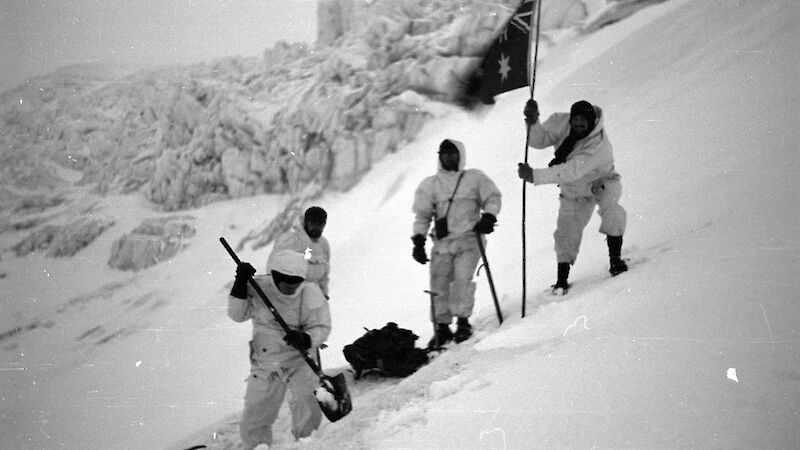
(486, 224)
(243, 273)
(419, 254)
(531, 112)
(525, 172)
(298, 339)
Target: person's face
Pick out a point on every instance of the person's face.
(449, 160)
(287, 288)
(314, 228)
(580, 126)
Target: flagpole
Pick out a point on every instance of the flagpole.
(537, 6)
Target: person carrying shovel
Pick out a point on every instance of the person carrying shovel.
(275, 362)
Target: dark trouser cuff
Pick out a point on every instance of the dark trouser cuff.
(614, 246)
(563, 272)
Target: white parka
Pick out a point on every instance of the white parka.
(306, 310)
(318, 254)
(590, 160)
(475, 194)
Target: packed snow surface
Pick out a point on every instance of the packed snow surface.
(697, 346)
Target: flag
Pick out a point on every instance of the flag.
(505, 65)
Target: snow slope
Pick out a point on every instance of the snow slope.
(696, 347)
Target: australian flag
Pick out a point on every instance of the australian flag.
(505, 64)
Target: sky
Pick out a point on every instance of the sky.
(697, 346)
(37, 36)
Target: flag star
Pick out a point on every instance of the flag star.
(504, 66)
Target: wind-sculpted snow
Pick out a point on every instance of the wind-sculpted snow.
(63, 240)
(297, 117)
(153, 241)
(57, 226)
(121, 317)
(188, 136)
(643, 360)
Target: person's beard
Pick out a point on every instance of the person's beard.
(450, 164)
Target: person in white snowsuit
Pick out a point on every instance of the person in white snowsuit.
(468, 202)
(275, 363)
(583, 168)
(306, 237)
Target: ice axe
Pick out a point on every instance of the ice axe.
(334, 408)
(489, 277)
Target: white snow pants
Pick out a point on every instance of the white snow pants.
(263, 400)
(453, 263)
(574, 214)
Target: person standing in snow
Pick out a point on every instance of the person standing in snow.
(461, 203)
(275, 362)
(306, 237)
(583, 168)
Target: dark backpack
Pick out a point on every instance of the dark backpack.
(388, 351)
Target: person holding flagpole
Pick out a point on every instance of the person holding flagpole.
(583, 168)
(509, 63)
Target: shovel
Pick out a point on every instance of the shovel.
(332, 395)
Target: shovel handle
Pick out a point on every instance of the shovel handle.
(230, 250)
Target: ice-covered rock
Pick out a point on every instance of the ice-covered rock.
(62, 240)
(153, 241)
(185, 136)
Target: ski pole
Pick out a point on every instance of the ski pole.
(489, 277)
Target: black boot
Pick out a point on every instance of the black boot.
(463, 330)
(617, 264)
(443, 334)
(617, 267)
(561, 287)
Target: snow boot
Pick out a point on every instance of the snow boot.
(561, 287)
(463, 330)
(444, 335)
(617, 265)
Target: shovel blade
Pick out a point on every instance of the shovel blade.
(334, 397)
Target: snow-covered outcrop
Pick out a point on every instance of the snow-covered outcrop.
(298, 116)
(187, 136)
(54, 225)
(63, 240)
(153, 241)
